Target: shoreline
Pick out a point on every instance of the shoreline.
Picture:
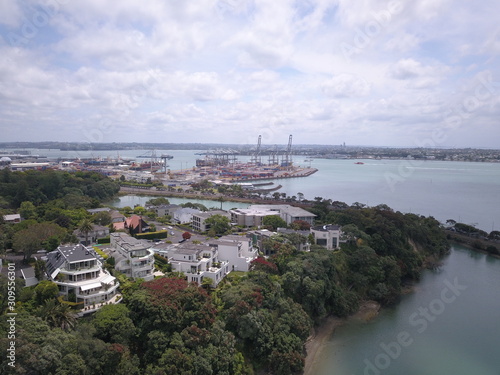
(323, 333)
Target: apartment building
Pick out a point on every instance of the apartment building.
(133, 257)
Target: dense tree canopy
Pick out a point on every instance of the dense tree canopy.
(218, 225)
(273, 222)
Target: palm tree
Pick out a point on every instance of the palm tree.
(57, 314)
(85, 227)
(221, 199)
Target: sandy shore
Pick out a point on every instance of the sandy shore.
(324, 332)
(316, 343)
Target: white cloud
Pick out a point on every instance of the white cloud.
(346, 85)
(10, 13)
(272, 68)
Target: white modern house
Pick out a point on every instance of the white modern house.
(237, 251)
(254, 214)
(80, 276)
(198, 262)
(133, 257)
(184, 215)
(287, 212)
(164, 209)
(327, 235)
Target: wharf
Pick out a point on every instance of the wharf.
(299, 172)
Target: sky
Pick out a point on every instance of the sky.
(420, 73)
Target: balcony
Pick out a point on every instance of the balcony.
(117, 298)
(79, 271)
(100, 292)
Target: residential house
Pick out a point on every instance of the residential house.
(164, 209)
(287, 212)
(184, 215)
(117, 217)
(97, 210)
(98, 231)
(254, 214)
(12, 218)
(238, 251)
(133, 257)
(198, 219)
(80, 276)
(302, 246)
(327, 235)
(249, 217)
(259, 238)
(133, 225)
(198, 262)
(28, 274)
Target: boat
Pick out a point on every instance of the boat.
(359, 162)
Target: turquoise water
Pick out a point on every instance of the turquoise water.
(437, 330)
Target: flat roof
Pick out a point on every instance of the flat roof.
(326, 228)
(11, 217)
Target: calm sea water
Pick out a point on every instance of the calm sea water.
(448, 326)
(465, 192)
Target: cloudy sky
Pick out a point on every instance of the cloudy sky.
(364, 72)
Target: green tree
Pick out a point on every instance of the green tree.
(102, 218)
(86, 227)
(51, 243)
(273, 222)
(30, 240)
(218, 224)
(113, 324)
(157, 201)
(139, 210)
(300, 225)
(44, 291)
(57, 314)
(27, 210)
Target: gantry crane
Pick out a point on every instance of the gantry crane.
(256, 156)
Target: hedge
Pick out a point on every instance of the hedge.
(152, 235)
(104, 240)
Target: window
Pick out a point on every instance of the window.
(321, 241)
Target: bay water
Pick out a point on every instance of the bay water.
(447, 326)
